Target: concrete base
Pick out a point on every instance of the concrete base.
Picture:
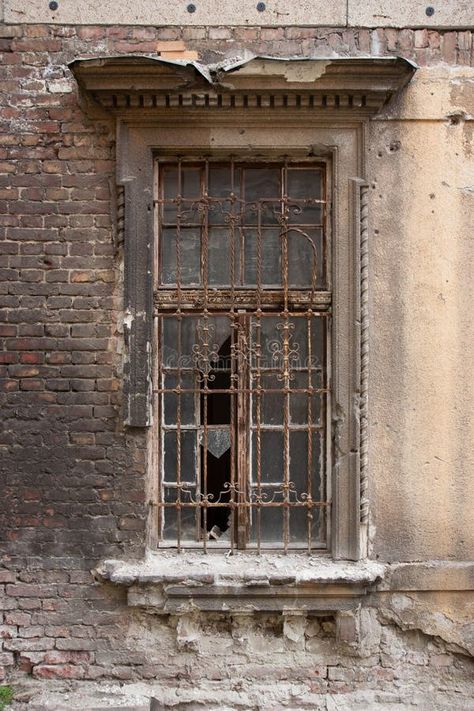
(152, 697)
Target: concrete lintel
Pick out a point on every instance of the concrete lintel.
(406, 13)
(335, 13)
(169, 12)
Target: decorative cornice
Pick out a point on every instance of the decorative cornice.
(142, 85)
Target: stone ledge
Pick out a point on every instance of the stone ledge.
(170, 583)
(245, 569)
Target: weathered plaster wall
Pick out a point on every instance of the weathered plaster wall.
(338, 13)
(421, 172)
(73, 478)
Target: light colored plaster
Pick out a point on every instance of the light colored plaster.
(447, 616)
(335, 13)
(434, 93)
(421, 174)
(406, 13)
(168, 12)
(294, 71)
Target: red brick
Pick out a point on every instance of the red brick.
(23, 371)
(140, 47)
(8, 385)
(449, 47)
(6, 357)
(21, 590)
(31, 385)
(7, 330)
(17, 618)
(91, 32)
(72, 657)
(60, 671)
(30, 357)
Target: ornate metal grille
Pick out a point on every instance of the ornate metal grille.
(242, 326)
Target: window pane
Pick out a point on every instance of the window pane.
(187, 515)
(304, 189)
(299, 525)
(220, 187)
(188, 454)
(304, 183)
(271, 525)
(304, 337)
(269, 269)
(190, 194)
(305, 480)
(177, 341)
(186, 400)
(271, 462)
(271, 399)
(219, 256)
(262, 194)
(189, 243)
(302, 403)
(305, 265)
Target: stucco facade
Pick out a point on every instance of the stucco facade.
(87, 608)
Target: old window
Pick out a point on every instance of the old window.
(245, 292)
(242, 338)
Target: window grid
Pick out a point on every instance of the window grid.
(257, 339)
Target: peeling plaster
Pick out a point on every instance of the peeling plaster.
(291, 69)
(412, 612)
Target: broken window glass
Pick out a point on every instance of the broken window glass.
(243, 336)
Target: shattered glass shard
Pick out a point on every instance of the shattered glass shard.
(218, 442)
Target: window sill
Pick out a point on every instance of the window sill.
(168, 583)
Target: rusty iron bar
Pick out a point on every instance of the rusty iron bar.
(246, 495)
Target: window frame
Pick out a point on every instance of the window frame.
(342, 144)
(300, 298)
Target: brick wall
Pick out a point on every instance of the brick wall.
(73, 477)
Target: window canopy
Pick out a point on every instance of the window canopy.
(130, 84)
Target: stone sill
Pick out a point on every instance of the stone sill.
(167, 582)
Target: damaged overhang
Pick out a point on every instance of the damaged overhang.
(133, 83)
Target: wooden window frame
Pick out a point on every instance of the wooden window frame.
(342, 146)
(299, 303)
